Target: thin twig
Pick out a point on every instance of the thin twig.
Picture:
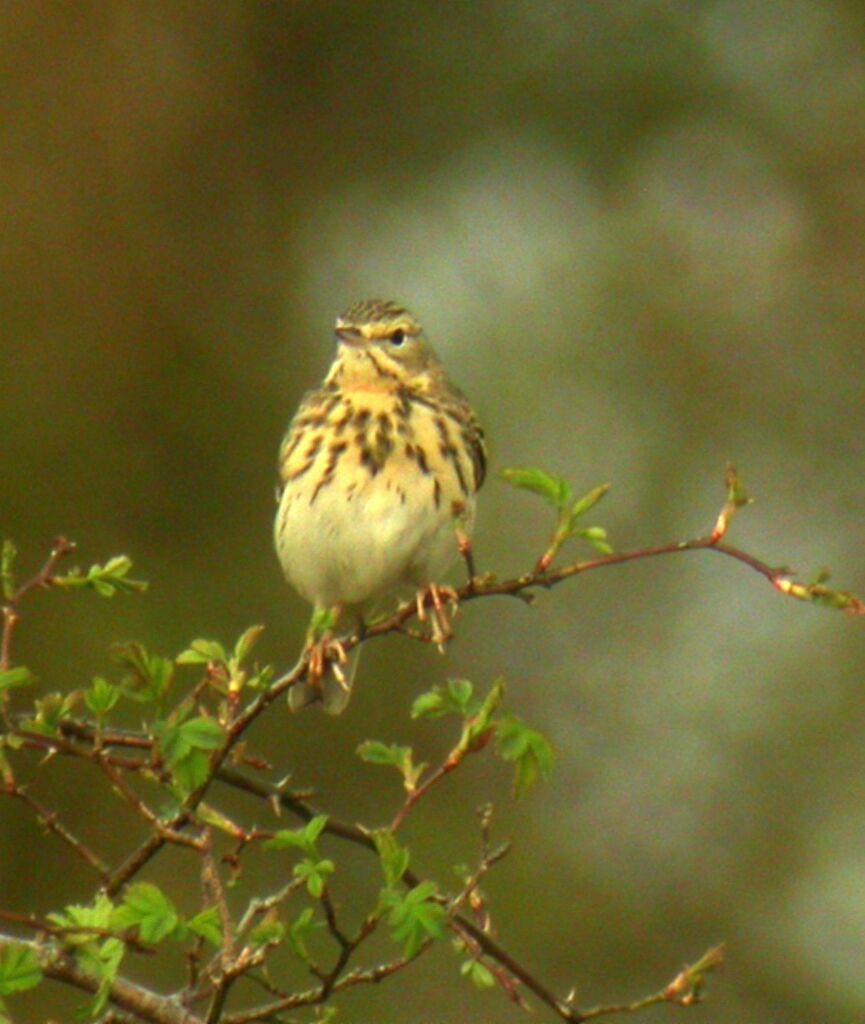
(49, 821)
(60, 549)
(414, 795)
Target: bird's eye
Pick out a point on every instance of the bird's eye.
(397, 337)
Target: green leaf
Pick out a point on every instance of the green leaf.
(393, 857)
(99, 958)
(18, 676)
(103, 961)
(203, 733)
(269, 932)
(171, 741)
(186, 747)
(588, 501)
(553, 489)
(480, 976)
(376, 752)
(322, 621)
(597, 537)
(7, 575)
(299, 932)
(101, 697)
(207, 925)
(454, 698)
(314, 827)
(401, 758)
(260, 679)
(176, 741)
(559, 493)
(148, 675)
(247, 640)
(148, 909)
(192, 771)
(50, 712)
(75, 915)
(299, 838)
(415, 917)
(200, 652)
(314, 874)
(19, 969)
(527, 749)
(476, 730)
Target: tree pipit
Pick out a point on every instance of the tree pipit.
(378, 474)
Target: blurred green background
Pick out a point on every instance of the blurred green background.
(634, 230)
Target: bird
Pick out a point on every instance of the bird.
(378, 473)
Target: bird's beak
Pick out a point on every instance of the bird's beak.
(348, 334)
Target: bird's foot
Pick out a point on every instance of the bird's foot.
(323, 651)
(326, 653)
(439, 619)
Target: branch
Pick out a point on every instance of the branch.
(146, 1005)
(62, 547)
(51, 823)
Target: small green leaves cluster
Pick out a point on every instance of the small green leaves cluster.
(152, 915)
(185, 734)
(97, 935)
(556, 491)
(479, 975)
(527, 749)
(419, 915)
(399, 757)
(107, 580)
(484, 718)
(229, 669)
(393, 857)
(312, 870)
(147, 677)
(50, 711)
(415, 916)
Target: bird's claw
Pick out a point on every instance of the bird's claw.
(323, 653)
(440, 624)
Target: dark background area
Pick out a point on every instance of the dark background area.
(634, 231)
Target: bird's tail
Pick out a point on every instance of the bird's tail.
(331, 691)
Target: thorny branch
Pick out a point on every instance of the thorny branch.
(44, 578)
(467, 915)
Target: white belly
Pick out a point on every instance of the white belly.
(358, 548)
